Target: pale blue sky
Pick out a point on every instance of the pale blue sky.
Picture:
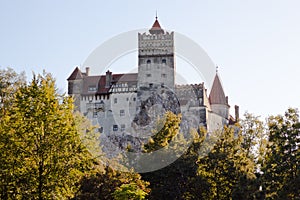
(256, 43)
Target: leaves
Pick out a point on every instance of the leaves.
(40, 143)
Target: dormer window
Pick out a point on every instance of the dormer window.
(92, 88)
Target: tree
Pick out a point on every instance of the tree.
(112, 184)
(177, 180)
(129, 191)
(226, 169)
(10, 81)
(281, 171)
(42, 153)
(254, 137)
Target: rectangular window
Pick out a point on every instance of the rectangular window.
(115, 100)
(92, 88)
(115, 127)
(148, 75)
(95, 114)
(122, 127)
(122, 113)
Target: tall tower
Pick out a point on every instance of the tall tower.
(156, 64)
(156, 75)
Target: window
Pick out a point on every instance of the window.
(148, 61)
(115, 127)
(163, 75)
(148, 75)
(134, 98)
(95, 114)
(151, 85)
(164, 61)
(92, 88)
(122, 127)
(115, 100)
(122, 113)
(127, 99)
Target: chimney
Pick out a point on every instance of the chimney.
(87, 71)
(237, 113)
(108, 79)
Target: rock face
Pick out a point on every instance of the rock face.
(154, 103)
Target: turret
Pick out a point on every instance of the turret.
(218, 100)
(75, 82)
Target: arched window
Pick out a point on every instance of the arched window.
(148, 61)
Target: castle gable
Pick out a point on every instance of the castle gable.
(76, 74)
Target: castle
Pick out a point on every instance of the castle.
(124, 105)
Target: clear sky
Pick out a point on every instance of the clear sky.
(255, 43)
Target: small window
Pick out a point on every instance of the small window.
(115, 127)
(122, 113)
(134, 99)
(122, 127)
(148, 75)
(164, 75)
(92, 88)
(148, 61)
(127, 99)
(115, 100)
(151, 85)
(95, 114)
(164, 61)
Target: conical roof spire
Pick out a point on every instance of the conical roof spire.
(156, 28)
(217, 95)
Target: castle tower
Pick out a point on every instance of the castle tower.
(75, 81)
(156, 64)
(156, 75)
(218, 100)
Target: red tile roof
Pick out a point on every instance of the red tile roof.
(100, 82)
(156, 24)
(217, 95)
(156, 28)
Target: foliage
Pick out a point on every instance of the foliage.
(226, 168)
(168, 129)
(112, 184)
(129, 191)
(281, 171)
(42, 153)
(177, 180)
(10, 81)
(254, 138)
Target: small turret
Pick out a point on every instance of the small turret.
(218, 100)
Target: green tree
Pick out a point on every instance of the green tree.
(177, 180)
(281, 168)
(129, 191)
(110, 184)
(42, 153)
(226, 169)
(168, 129)
(254, 139)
